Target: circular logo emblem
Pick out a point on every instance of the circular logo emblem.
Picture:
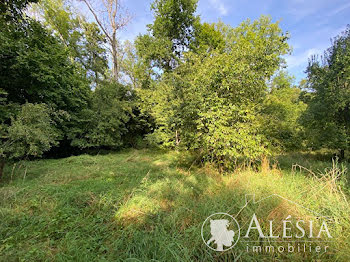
(220, 232)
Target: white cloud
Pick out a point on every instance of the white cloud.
(219, 6)
(317, 42)
(302, 58)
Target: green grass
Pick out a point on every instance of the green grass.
(141, 205)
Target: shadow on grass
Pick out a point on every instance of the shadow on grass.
(135, 205)
(163, 220)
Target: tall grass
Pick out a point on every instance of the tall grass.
(139, 205)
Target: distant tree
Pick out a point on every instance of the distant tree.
(84, 40)
(281, 113)
(174, 21)
(131, 69)
(104, 123)
(170, 34)
(327, 118)
(110, 20)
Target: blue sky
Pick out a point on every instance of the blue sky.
(311, 23)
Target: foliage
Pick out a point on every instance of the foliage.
(175, 21)
(185, 84)
(104, 124)
(83, 40)
(110, 18)
(11, 11)
(210, 104)
(281, 114)
(31, 133)
(35, 68)
(171, 33)
(207, 38)
(130, 65)
(327, 117)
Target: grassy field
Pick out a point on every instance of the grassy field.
(141, 205)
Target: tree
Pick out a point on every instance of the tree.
(327, 118)
(207, 37)
(130, 66)
(281, 113)
(82, 39)
(12, 10)
(171, 33)
(210, 103)
(104, 124)
(31, 133)
(35, 67)
(174, 21)
(110, 27)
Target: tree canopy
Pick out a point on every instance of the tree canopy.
(218, 91)
(327, 116)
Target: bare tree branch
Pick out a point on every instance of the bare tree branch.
(115, 22)
(96, 18)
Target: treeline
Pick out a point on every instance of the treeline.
(57, 93)
(217, 91)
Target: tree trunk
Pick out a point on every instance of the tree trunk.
(115, 60)
(115, 23)
(2, 165)
(177, 140)
(342, 154)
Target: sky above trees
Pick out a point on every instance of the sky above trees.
(311, 23)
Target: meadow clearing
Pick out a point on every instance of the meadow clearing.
(143, 205)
